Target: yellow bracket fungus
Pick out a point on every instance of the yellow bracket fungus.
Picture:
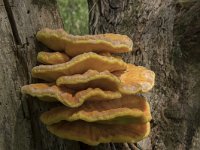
(97, 90)
(59, 40)
(96, 133)
(136, 77)
(78, 65)
(50, 92)
(92, 78)
(51, 58)
(128, 109)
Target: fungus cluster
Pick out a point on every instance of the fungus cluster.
(100, 94)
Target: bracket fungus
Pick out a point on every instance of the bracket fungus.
(97, 91)
(96, 133)
(59, 40)
(136, 77)
(51, 92)
(78, 65)
(51, 58)
(128, 109)
(133, 80)
(92, 78)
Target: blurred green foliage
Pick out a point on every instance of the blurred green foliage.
(75, 16)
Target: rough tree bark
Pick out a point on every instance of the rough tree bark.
(166, 34)
(20, 128)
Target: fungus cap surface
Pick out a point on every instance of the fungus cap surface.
(136, 77)
(96, 133)
(128, 109)
(51, 58)
(134, 80)
(78, 65)
(59, 40)
(90, 79)
(51, 92)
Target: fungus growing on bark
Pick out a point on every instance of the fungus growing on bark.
(97, 90)
(51, 92)
(51, 58)
(59, 40)
(136, 77)
(78, 65)
(133, 80)
(128, 109)
(96, 133)
(92, 78)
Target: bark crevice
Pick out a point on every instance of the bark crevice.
(12, 22)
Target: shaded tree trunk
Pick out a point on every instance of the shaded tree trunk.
(166, 34)
(20, 128)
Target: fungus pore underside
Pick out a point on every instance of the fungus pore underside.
(96, 133)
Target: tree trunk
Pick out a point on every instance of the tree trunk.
(166, 34)
(20, 128)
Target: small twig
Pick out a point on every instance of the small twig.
(126, 146)
(113, 146)
(133, 146)
(93, 6)
(139, 147)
